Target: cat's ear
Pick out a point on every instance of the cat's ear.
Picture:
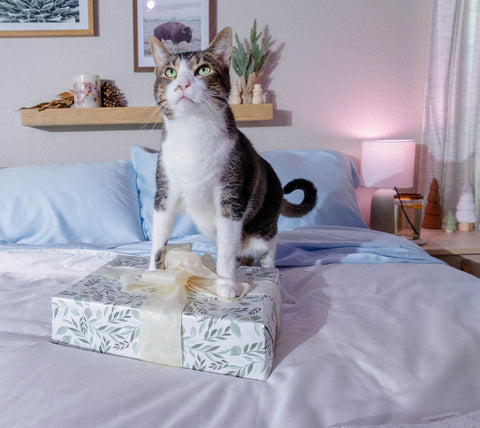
(221, 45)
(159, 52)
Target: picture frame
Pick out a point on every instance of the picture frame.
(72, 18)
(183, 25)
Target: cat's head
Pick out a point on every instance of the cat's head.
(193, 81)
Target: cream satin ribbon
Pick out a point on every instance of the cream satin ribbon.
(161, 314)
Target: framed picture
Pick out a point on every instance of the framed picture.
(181, 25)
(48, 18)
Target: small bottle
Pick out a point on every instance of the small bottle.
(236, 98)
(257, 94)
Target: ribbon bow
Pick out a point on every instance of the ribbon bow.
(161, 314)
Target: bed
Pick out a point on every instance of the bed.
(380, 332)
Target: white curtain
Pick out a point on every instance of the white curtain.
(451, 137)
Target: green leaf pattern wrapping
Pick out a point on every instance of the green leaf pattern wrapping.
(235, 338)
(95, 314)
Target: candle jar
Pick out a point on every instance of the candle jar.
(408, 214)
(86, 90)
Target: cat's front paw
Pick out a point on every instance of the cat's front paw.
(228, 288)
(157, 260)
(155, 265)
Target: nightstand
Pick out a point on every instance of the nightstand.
(459, 249)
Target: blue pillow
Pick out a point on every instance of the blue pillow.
(333, 173)
(145, 164)
(335, 178)
(80, 202)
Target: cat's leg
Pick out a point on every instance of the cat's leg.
(268, 258)
(162, 225)
(229, 233)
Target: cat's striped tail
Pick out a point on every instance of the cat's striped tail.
(309, 198)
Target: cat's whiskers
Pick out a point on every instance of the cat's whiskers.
(216, 111)
(148, 118)
(216, 115)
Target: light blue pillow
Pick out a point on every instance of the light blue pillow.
(79, 202)
(335, 178)
(332, 172)
(145, 164)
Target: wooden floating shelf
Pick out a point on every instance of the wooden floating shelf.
(111, 116)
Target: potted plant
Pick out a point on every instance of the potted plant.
(249, 60)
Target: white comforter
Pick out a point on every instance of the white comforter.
(364, 344)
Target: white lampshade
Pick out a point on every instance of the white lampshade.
(386, 164)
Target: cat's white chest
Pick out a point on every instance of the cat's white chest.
(194, 157)
(194, 153)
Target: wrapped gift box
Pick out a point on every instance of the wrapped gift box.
(235, 338)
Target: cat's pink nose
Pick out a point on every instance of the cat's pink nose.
(184, 85)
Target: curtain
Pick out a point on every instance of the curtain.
(451, 134)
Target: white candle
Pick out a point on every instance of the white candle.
(86, 90)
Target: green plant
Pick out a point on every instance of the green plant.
(38, 10)
(247, 60)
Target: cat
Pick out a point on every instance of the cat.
(209, 169)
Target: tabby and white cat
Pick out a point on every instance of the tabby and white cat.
(209, 169)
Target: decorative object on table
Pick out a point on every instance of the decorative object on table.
(386, 164)
(432, 218)
(449, 224)
(408, 214)
(111, 95)
(465, 213)
(227, 337)
(257, 94)
(248, 61)
(86, 91)
(236, 97)
(63, 100)
(46, 18)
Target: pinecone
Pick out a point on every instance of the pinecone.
(111, 96)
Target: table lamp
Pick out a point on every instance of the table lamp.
(386, 164)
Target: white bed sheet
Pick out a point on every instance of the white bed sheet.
(364, 344)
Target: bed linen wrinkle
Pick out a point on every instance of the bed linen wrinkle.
(300, 326)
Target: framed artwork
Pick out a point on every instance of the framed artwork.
(47, 18)
(181, 25)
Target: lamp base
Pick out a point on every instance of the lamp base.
(381, 211)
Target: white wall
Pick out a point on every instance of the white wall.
(347, 70)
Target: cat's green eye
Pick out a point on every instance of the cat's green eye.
(203, 70)
(171, 73)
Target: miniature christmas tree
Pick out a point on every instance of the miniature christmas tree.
(248, 63)
(449, 224)
(433, 210)
(466, 209)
